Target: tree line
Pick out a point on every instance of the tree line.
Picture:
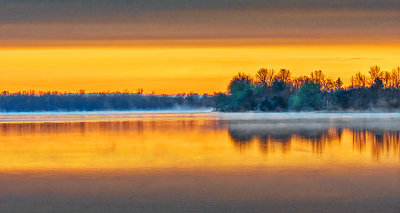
(19, 102)
(269, 90)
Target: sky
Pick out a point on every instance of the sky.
(188, 45)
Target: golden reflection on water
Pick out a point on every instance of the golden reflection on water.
(193, 142)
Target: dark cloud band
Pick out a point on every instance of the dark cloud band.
(64, 10)
(198, 19)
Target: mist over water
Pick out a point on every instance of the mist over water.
(200, 161)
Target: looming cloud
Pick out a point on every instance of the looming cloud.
(125, 5)
(198, 19)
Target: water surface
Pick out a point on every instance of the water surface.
(200, 162)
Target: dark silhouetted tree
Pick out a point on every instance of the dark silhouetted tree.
(309, 97)
(378, 84)
(242, 90)
(338, 84)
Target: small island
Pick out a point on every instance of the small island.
(269, 91)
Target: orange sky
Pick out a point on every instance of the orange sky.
(188, 46)
(175, 67)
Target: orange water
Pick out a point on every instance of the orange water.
(198, 159)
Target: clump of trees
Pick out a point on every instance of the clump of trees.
(269, 90)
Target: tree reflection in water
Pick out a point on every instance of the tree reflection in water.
(272, 137)
(383, 142)
(319, 137)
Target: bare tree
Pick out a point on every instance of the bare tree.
(387, 79)
(284, 75)
(318, 77)
(374, 73)
(300, 81)
(329, 84)
(359, 80)
(396, 77)
(338, 83)
(264, 77)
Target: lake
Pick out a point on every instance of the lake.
(199, 161)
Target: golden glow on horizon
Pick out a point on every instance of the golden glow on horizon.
(177, 69)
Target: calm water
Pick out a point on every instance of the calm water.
(199, 162)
